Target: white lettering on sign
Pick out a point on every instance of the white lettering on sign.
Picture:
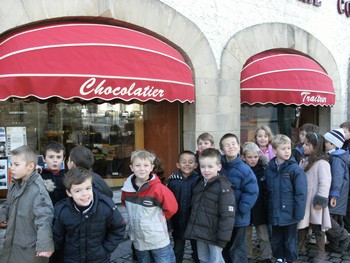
(89, 87)
(307, 98)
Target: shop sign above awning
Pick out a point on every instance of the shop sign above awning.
(90, 61)
(275, 77)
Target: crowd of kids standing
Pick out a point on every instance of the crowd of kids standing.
(214, 200)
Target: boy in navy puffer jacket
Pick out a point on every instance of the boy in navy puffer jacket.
(181, 184)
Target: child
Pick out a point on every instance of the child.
(263, 137)
(204, 141)
(346, 146)
(258, 214)
(54, 155)
(28, 212)
(87, 226)
(149, 204)
(81, 156)
(181, 184)
(298, 152)
(346, 128)
(246, 192)
(213, 209)
(286, 196)
(339, 192)
(319, 178)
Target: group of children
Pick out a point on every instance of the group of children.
(54, 216)
(213, 200)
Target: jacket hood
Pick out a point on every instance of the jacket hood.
(128, 187)
(232, 163)
(344, 155)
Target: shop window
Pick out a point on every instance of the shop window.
(280, 118)
(108, 129)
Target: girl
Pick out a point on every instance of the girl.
(263, 137)
(318, 173)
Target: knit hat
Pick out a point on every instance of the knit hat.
(336, 137)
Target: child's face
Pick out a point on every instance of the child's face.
(230, 148)
(302, 135)
(202, 145)
(328, 146)
(54, 160)
(262, 139)
(19, 167)
(82, 193)
(308, 147)
(251, 158)
(209, 167)
(346, 133)
(283, 151)
(187, 164)
(141, 168)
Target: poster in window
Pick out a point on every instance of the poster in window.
(3, 174)
(2, 142)
(15, 137)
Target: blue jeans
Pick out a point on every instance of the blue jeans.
(236, 250)
(159, 255)
(285, 242)
(208, 253)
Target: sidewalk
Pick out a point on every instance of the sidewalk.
(123, 253)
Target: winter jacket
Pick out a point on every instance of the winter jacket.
(182, 189)
(28, 211)
(318, 185)
(148, 209)
(340, 163)
(56, 177)
(101, 185)
(213, 212)
(245, 188)
(91, 236)
(258, 214)
(286, 192)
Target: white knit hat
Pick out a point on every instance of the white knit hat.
(336, 137)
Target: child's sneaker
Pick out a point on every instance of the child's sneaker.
(279, 260)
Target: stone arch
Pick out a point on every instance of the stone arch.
(261, 37)
(150, 15)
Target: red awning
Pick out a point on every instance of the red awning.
(89, 61)
(276, 77)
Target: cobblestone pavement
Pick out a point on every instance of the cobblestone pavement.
(123, 253)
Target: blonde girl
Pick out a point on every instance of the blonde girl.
(263, 137)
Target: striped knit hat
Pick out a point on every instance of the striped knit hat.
(336, 137)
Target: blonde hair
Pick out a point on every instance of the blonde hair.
(267, 130)
(280, 139)
(27, 152)
(143, 155)
(250, 147)
(206, 137)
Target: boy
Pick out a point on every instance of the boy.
(258, 214)
(81, 156)
(339, 192)
(54, 155)
(181, 184)
(204, 141)
(213, 209)
(246, 192)
(28, 212)
(149, 204)
(87, 226)
(286, 196)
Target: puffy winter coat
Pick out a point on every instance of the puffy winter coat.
(340, 163)
(245, 188)
(59, 191)
(182, 188)
(148, 209)
(29, 213)
(91, 236)
(286, 192)
(213, 212)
